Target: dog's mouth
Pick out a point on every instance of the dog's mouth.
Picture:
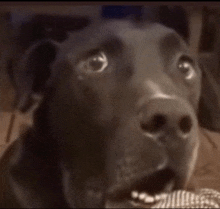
(145, 191)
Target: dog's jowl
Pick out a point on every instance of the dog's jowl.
(117, 119)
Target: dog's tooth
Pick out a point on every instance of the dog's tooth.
(149, 199)
(163, 195)
(160, 196)
(157, 197)
(142, 196)
(134, 194)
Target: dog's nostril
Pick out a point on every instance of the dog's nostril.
(185, 124)
(155, 124)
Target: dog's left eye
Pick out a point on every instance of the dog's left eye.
(94, 63)
(186, 66)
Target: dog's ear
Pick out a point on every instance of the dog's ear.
(34, 72)
(209, 105)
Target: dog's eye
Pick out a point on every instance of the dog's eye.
(94, 63)
(186, 66)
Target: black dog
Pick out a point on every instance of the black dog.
(117, 115)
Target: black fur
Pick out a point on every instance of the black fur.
(99, 135)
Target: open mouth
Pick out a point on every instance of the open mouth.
(147, 199)
(146, 191)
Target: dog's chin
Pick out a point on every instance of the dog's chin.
(128, 204)
(122, 204)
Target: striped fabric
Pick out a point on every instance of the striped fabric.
(204, 198)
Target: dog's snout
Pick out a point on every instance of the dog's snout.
(162, 115)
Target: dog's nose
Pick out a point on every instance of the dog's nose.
(166, 116)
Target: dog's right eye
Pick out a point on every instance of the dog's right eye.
(94, 63)
(186, 66)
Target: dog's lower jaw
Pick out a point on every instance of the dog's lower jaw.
(127, 204)
(123, 204)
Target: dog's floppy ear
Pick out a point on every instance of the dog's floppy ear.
(209, 105)
(34, 72)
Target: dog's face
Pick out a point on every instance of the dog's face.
(121, 102)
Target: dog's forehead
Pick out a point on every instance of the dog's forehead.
(129, 34)
(128, 31)
(150, 36)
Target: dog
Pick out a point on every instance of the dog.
(117, 118)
